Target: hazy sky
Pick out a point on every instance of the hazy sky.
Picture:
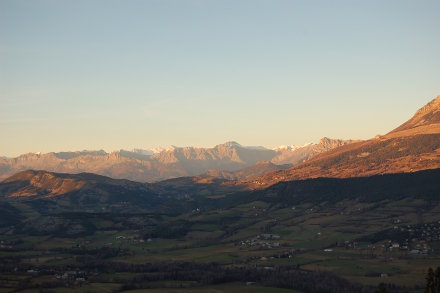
(89, 74)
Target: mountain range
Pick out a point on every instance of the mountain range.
(161, 164)
(413, 146)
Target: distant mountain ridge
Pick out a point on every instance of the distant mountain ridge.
(160, 164)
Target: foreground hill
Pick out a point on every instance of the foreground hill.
(77, 191)
(162, 164)
(413, 146)
(52, 193)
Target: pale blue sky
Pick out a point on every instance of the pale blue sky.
(89, 74)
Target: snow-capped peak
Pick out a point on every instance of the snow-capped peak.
(290, 147)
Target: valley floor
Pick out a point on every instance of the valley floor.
(392, 242)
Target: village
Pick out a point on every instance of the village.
(262, 241)
(407, 240)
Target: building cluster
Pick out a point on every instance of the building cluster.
(262, 241)
(412, 239)
(132, 239)
(68, 277)
(9, 244)
(415, 238)
(76, 276)
(5, 245)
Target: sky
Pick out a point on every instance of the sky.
(89, 74)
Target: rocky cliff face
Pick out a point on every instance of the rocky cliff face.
(329, 144)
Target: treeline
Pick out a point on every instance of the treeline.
(149, 275)
(210, 274)
(281, 277)
(433, 281)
